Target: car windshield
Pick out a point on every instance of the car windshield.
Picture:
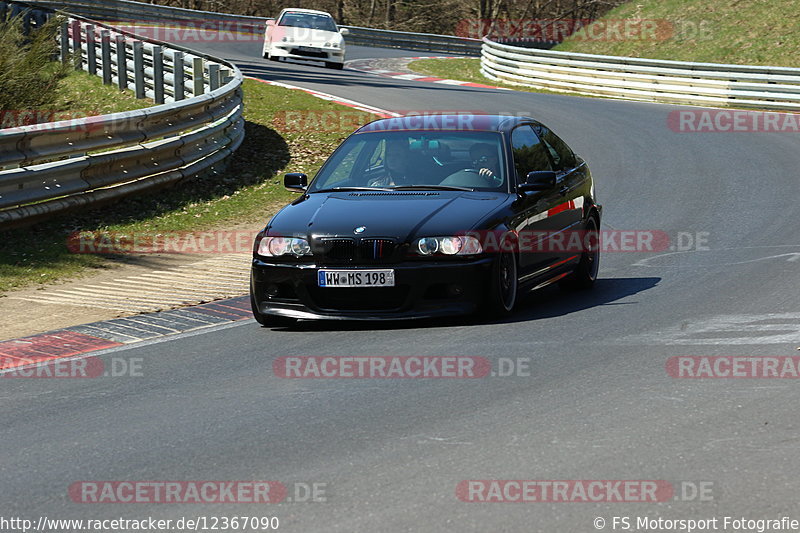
(308, 20)
(470, 160)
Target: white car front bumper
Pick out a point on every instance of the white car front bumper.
(298, 51)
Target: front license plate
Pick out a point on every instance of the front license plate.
(308, 49)
(356, 278)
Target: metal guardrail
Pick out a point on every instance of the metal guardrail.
(47, 168)
(758, 87)
(427, 42)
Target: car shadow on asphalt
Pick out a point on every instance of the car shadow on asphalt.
(548, 302)
(552, 301)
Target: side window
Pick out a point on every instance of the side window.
(563, 157)
(529, 153)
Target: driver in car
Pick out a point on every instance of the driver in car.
(395, 164)
(484, 157)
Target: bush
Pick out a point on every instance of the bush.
(29, 71)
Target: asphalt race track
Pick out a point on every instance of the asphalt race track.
(598, 403)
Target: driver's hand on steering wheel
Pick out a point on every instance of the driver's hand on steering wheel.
(486, 173)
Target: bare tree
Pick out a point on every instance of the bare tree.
(391, 13)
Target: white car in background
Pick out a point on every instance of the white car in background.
(305, 34)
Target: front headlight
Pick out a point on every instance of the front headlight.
(278, 246)
(460, 245)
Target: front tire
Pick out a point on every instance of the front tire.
(585, 274)
(503, 286)
(336, 66)
(267, 55)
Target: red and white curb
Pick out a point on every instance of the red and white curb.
(79, 340)
(368, 66)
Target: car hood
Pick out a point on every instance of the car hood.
(404, 215)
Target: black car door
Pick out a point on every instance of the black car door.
(533, 221)
(572, 181)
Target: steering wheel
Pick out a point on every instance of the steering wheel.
(497, 180)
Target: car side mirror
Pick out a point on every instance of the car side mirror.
(539, 180)
(344, 31)
(295, 181)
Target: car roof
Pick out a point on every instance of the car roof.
(302, 10)
(446, 122)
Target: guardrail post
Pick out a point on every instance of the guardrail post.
(198, 76)
(224, 76)
(177, 76)
(91, 53)
(213, 76)
(64, 41)
(158, 74)
(122, 62)
(105, 52)
(138, 69)
(76, 44)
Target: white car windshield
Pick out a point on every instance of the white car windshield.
(308, 20)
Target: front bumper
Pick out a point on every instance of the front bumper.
(314, 53)
(422, 290)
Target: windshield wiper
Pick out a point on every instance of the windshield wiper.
(333, 189)
(432, 187)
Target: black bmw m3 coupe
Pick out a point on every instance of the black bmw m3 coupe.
(415, 217)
